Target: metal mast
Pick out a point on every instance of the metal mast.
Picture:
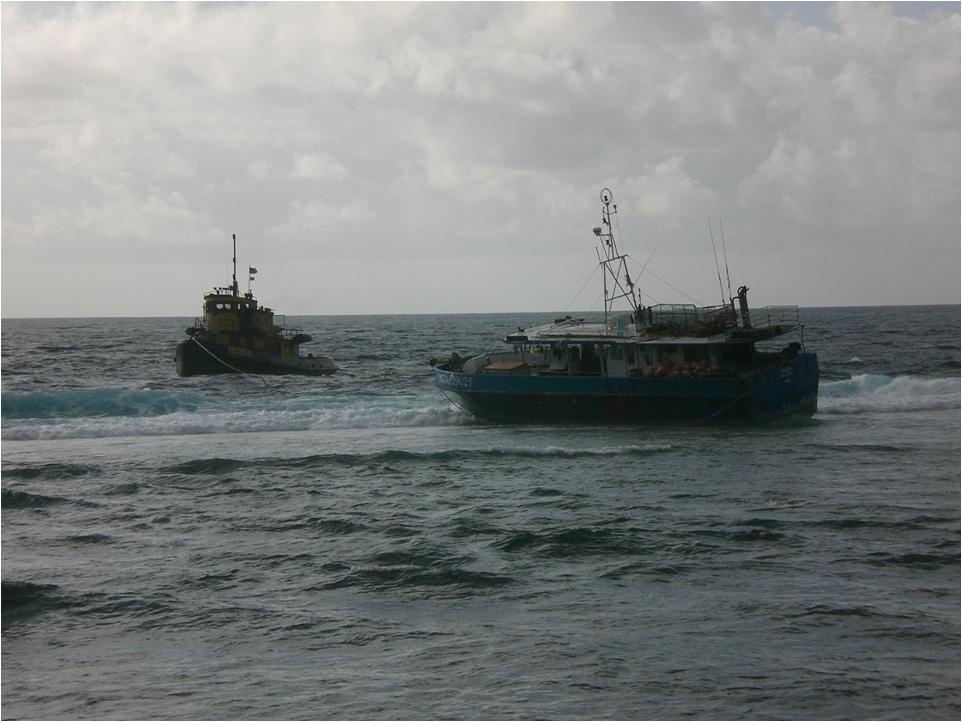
(234, 236)
(614, 263)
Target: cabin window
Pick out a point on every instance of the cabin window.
(630, 355)
(695, 354)
(737, 353)
(616, 353)
(666, 353)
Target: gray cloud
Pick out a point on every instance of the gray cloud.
(437, 157)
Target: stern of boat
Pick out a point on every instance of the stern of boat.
(788, 389)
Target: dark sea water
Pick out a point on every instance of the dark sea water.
(356, 547)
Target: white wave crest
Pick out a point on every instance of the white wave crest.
(368, 415)
(873, 392)
(633, 449)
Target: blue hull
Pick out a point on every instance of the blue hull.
(770, 393)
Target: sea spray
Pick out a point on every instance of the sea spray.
(881, 393)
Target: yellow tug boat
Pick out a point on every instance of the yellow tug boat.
(238, 335)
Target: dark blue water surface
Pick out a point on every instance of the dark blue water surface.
(356, 547)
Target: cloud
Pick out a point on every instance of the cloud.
(318, 166)
(665, 191)
(457, 132)
(308, 218)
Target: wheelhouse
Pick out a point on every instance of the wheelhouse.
(225, 312)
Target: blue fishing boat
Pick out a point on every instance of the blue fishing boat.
(675, 363)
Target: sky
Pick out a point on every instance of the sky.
(447, 157)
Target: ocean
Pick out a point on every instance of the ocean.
(241, 547)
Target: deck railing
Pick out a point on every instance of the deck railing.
(687, 318)
(769, 316)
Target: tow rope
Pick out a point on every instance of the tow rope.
(222, 361)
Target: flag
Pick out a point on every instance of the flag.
(251, 270)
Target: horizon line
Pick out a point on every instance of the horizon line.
(453, 313)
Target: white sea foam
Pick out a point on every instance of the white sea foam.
(873, 392)
(563, 451)
(861, 393)
(366, 415)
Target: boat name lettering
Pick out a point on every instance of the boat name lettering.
(234, 351)
(452, 379)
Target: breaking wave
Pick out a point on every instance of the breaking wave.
(37, 419)
(96, 403)
(107, 413)
(874, 392)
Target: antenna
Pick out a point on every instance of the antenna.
(725, 255)
(721, 289)
(613, 261)
(234, 236)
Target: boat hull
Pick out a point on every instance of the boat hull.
(196, 358)
(765, 395)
